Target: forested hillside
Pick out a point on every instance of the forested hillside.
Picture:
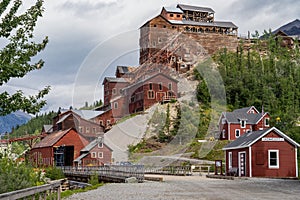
(34, 126)
(266, 76)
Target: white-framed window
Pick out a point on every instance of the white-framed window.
(159, 40)
(267, 122)
(160, 87)
(114, 91)
(170, 86)
(273, 159)
(100, 145)
(223, 133)
(100, 154)
(115, 105)
(94, 154)
(101, 122)
(150, 94)
(80, 129)
(94, 129)
(173, 59)
(108, 122)
(150, 86)
(229, 160)
(87, 129)
(223, 121)
(237, 133)
(243, 123)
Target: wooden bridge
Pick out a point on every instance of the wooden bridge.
(109, 173)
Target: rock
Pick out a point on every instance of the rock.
(131, 180)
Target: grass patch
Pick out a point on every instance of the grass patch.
(68, 193)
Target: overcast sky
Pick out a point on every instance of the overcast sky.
(88, 38)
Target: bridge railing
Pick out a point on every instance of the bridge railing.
(109, 171)
(170, 170)
(51, 190)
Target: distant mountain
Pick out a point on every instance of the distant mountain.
(12, 120)
(292, 28)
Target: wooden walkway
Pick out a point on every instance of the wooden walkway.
(111, 173)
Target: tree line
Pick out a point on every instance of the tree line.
(267, 76)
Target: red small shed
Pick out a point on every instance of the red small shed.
(264, 153)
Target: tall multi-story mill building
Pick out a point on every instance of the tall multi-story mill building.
(159, 35)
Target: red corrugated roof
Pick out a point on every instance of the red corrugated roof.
(51, 139)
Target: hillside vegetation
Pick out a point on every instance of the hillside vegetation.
(266, 76)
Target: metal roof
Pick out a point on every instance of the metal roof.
(250, 138)
(213, 24)
(80, 157)
(246, 109)
(173, 10)
(51, 139)
(125, 69)
(195, 8)
(63, 118)
(142, 81)
(47, 128)
(236, 117)
(113, 79)
(88, 114)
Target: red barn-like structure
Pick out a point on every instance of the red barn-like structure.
(58, 148)
(264, 153)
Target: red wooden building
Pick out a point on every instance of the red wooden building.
(81, 120)
(58, 148)
(122, 98)
(97, 153)
(264, 153)
(234, 124)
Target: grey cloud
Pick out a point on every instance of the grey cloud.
(84, 8)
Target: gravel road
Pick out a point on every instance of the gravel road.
(198, 188)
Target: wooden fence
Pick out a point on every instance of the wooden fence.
(50, 191)
(114, 173)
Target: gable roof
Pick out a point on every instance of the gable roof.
(142, 81)
(48, 128)
(86, 150)
(211, 24)
(114, 80)
(173, 10)
(92, 144)
(246, 109)
(51, 139)
(195, 8)
(250, 138)
(125, 69)
(84, 114)
(236, 117)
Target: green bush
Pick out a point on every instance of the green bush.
(16, 176)
(94, 180)
(54, 173)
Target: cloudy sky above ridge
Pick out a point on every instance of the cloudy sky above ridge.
(88, 38)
